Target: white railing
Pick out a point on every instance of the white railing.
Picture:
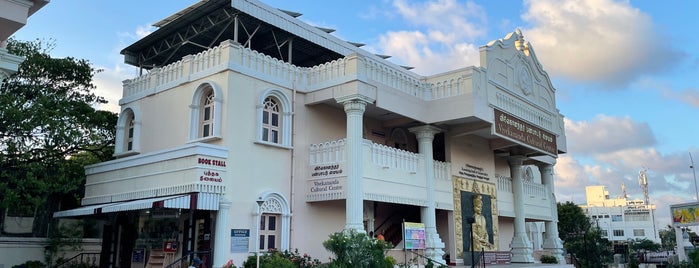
(442, 170)
(329, 71)
(534, 189)
(232, 55)
(327, 152)
(504, 183)
(389, 157)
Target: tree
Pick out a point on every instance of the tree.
(580, 238)
(49, 130)
(572, 221)
(643, 245)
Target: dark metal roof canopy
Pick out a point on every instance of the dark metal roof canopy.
(207, 24)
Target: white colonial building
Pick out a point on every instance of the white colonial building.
(620, 219)
(242, 104)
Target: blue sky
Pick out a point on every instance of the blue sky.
(625, 71)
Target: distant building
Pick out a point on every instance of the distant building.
(620, 219)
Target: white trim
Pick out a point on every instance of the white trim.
(158, 156)
(285, 120)
(285, 215)
(195, 109)
(122, 128)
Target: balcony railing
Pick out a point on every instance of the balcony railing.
(386, 171)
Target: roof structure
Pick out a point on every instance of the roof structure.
(274, 32)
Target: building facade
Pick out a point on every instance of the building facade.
(251, 130)
(620, 219)
(13, 16)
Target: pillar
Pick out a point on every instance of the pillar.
(435, 246)
(521, 246)
(223, 235)
(354, 108)
(552, 243)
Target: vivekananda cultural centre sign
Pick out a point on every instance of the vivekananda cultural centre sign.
(515, 128)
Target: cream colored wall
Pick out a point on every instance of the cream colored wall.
(165, 116)
(313, 223)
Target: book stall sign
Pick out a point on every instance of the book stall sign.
(414, 235)
(240, 239)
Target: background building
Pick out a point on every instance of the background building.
(620, 219)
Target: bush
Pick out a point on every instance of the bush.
(31, 264)
(548, 259)
(357, 250)
(282, 259)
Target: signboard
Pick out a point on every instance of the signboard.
(138, 255)
(240, 240)
(514, 128)
(497, 257)
(414, 235)
(685, 214)
(213, 169)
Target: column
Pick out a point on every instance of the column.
(435, 246)
(354, 108)
(521, 246)
(223, 233)
(552, 243)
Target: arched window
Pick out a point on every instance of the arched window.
(274, 119)
(205, 113)
(274, 226)
(206, 127)
(271, 120)
(128, 131)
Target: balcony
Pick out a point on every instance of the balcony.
(196, 167)
(389, 175)
(537, 199)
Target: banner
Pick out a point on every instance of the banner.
(414, 235)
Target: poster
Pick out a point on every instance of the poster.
(414, 235)
(240, 240)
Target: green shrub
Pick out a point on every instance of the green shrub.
(282, 259)
(357, 250)
(548, 259)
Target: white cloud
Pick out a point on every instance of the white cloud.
(443, 40)
(607, 134)
(604, 41)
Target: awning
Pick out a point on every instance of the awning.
(201, 201)
(81, 211)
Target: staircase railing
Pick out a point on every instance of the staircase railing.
(440, 262)
(190, 258)
(90, 258)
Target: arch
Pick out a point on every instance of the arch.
(276, 203)
(129, 118)
(285, 112)
(196, 112)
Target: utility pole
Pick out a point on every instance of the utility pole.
(695, 175)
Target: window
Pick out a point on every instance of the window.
(274, 119)
(270, 120)
(617, 218)
(618, 232)
(639, 232)
(205, 113)
(604, 233)
(269, 231)
(127, 136)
